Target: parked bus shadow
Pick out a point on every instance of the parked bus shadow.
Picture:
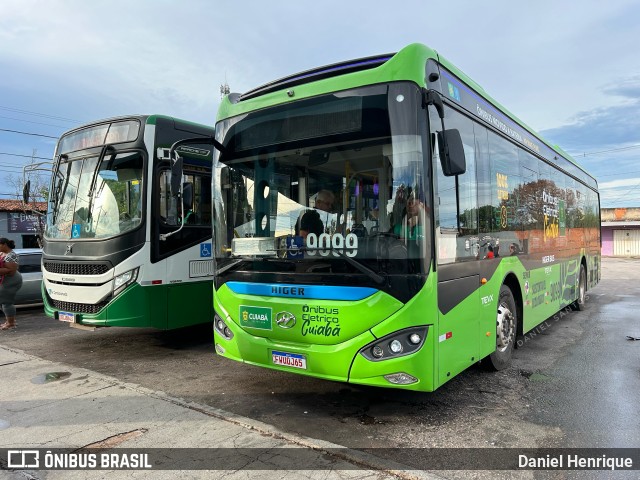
(187, 337)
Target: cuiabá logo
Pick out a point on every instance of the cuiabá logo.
(255, 317)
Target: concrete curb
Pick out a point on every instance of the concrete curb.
(358, 458)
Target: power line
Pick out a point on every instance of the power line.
(3, 165)
(37, 114)
(31, 121)
(615, 174)
(621, 149)
(27, 133)
(621, 196)
(19, 166)
(25, 156)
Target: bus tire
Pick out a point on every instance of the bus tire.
(506, 328)
(579, 304)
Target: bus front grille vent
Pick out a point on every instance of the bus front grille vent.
(69, 268)
(78, 307)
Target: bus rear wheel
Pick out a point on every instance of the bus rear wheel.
(506, 328)
(582, 290)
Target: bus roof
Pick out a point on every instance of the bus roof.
(407, 64)
(149, 119)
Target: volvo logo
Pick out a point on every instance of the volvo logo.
(285, 319)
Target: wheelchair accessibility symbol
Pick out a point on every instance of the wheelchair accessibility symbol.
(205, 250)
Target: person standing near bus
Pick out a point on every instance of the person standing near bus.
(11, 282)
(490, 255)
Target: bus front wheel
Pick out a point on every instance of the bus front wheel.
(506, 328)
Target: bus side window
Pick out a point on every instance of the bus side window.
(506, 194)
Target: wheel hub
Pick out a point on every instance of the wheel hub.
(504, 327)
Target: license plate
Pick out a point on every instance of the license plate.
(285, 359)
(67, 317)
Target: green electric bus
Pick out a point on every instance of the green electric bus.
(126, 243)
(384, 221)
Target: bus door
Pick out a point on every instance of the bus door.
(456, 232)
(187, 254)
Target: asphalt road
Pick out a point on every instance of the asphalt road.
(575, 384)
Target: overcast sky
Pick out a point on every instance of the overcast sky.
(570, 70)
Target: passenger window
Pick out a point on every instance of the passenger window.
(505, 179)
(200, 212)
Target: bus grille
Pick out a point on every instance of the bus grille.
(78, 307)
(70, 268)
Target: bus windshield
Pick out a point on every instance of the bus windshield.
(96, 199)
(331, 184)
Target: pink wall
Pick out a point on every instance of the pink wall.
(607, 241)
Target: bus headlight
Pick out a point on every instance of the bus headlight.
(396, 344)
(123, 280)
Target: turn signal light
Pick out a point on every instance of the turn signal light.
(400, 378)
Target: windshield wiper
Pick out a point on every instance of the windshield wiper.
(94, 178)
(376, 277)
(57, 168)
(56, 199)
(59, 193)
(230, 266)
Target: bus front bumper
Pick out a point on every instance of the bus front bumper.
(341, 362)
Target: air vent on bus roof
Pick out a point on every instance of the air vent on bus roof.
(318, 74)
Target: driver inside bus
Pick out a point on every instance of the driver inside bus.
(315, 221)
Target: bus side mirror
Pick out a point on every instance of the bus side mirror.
(25, 192)
(431, 97)
(451, 153)
(225, 178)
(176, 177)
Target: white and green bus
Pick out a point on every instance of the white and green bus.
(383, 221)
(122, 245)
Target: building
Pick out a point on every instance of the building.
(19, 222)
(620, 232)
